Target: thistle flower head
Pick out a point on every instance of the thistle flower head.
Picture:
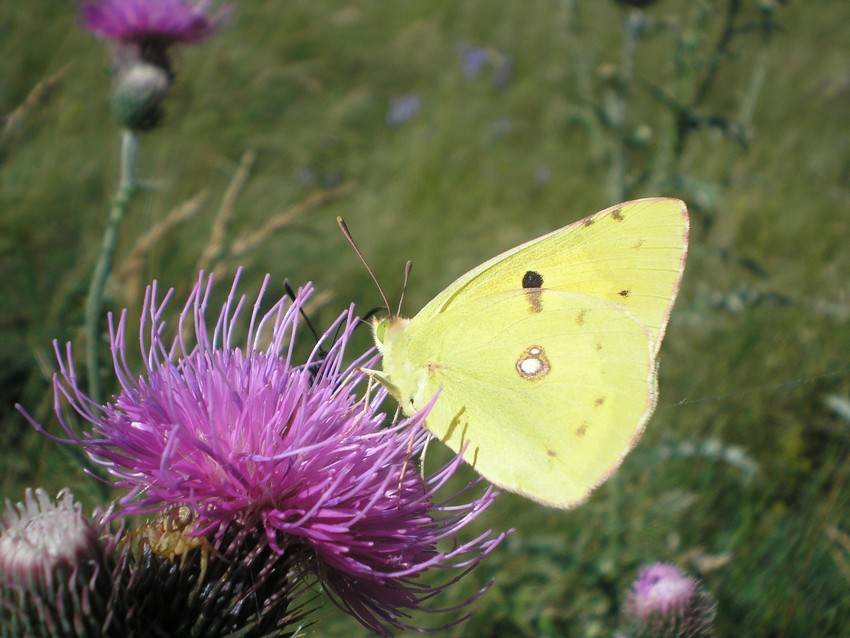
(243, 436)
(144, 30)
(664, 601)
(165, 22)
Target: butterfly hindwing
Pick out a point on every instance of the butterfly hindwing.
(547, 404)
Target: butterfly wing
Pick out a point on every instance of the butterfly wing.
(548, 391)
(545, 356)
(631, 255)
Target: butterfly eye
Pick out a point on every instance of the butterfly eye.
(380, 330)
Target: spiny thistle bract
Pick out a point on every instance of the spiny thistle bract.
(246, 439)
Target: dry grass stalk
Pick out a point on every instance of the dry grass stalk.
(129, 273)
(215, 245)
(132, 264)
(246, 243)
(39, 93)
(840, 549)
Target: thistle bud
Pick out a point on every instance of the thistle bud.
(137, 98)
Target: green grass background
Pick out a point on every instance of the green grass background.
(742, 475)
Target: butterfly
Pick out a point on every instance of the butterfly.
(544, 359)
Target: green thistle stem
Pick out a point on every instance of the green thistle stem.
(94, 301)
(620, 190)
(618, 107)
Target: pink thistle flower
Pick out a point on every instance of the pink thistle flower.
(144, 30)
(666, 602)
(141, 22)
(243, 436)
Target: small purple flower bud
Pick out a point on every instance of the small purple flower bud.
(667, 603)
(402, 109)
(473, 59)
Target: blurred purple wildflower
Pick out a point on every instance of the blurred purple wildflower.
(243, 436)
(164, 22)
(664, 601)
(402, 109)
(472, 59)
(144, 30)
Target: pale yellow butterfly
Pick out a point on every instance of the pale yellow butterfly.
(545, 357)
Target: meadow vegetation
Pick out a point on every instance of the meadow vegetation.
(517, 118)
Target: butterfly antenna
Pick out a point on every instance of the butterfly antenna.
(314, 367)
(347, 233)
(291, 293)
(407, 268)
(373, 312)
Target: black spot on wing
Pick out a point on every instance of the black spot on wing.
(532, 282)
(617, 214)
(532, 279)
(581, 430)
(624, 293)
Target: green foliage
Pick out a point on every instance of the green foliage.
(738, 107)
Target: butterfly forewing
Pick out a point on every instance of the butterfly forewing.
(631, 255)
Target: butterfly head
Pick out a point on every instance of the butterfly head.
(398, 374)
(387, 332)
